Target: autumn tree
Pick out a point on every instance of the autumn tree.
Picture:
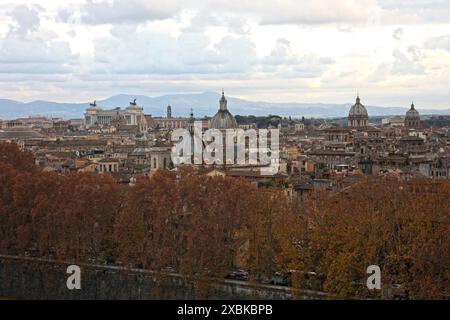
(147, 229)
(11, 154)
(400, 226)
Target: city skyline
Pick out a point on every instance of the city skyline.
(205, 152)
(392, 52)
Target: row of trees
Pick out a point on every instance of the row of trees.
(204, 226)
(403, 227)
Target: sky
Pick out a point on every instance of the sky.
(390, 51)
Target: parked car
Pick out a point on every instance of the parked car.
(238, 274)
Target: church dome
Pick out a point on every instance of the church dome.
(358, 116)
(412, 118)
(412, 113)
(223, 118)
(358, 109)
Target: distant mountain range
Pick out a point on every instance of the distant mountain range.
(206, 103)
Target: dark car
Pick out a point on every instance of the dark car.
(240, 275)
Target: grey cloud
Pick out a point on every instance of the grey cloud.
(284, 61)
(128, 11)
(238, 25)
(398, 34)
(30, 68)
(380, 73)
(16, 49)
(300, 12)
(281, 54)
(236, 54)
(407, 63)
(311, 66)
(68, 14)
(27, 18)
(430, 11)
(442, 42)
(201, 21)
(204, 19)
(403, 64)
(416, 5)
(147, 52)
(228, 12)
(25, 49)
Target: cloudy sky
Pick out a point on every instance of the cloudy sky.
(392, 51)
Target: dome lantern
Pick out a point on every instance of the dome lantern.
(223, 102)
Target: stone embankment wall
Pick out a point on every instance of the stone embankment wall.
(33, 278)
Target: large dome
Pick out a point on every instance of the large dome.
(412, 119)
(223, 118)
(358, 109)
(412, 113)
(358, 116)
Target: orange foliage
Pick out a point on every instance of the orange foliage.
(401, 226)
